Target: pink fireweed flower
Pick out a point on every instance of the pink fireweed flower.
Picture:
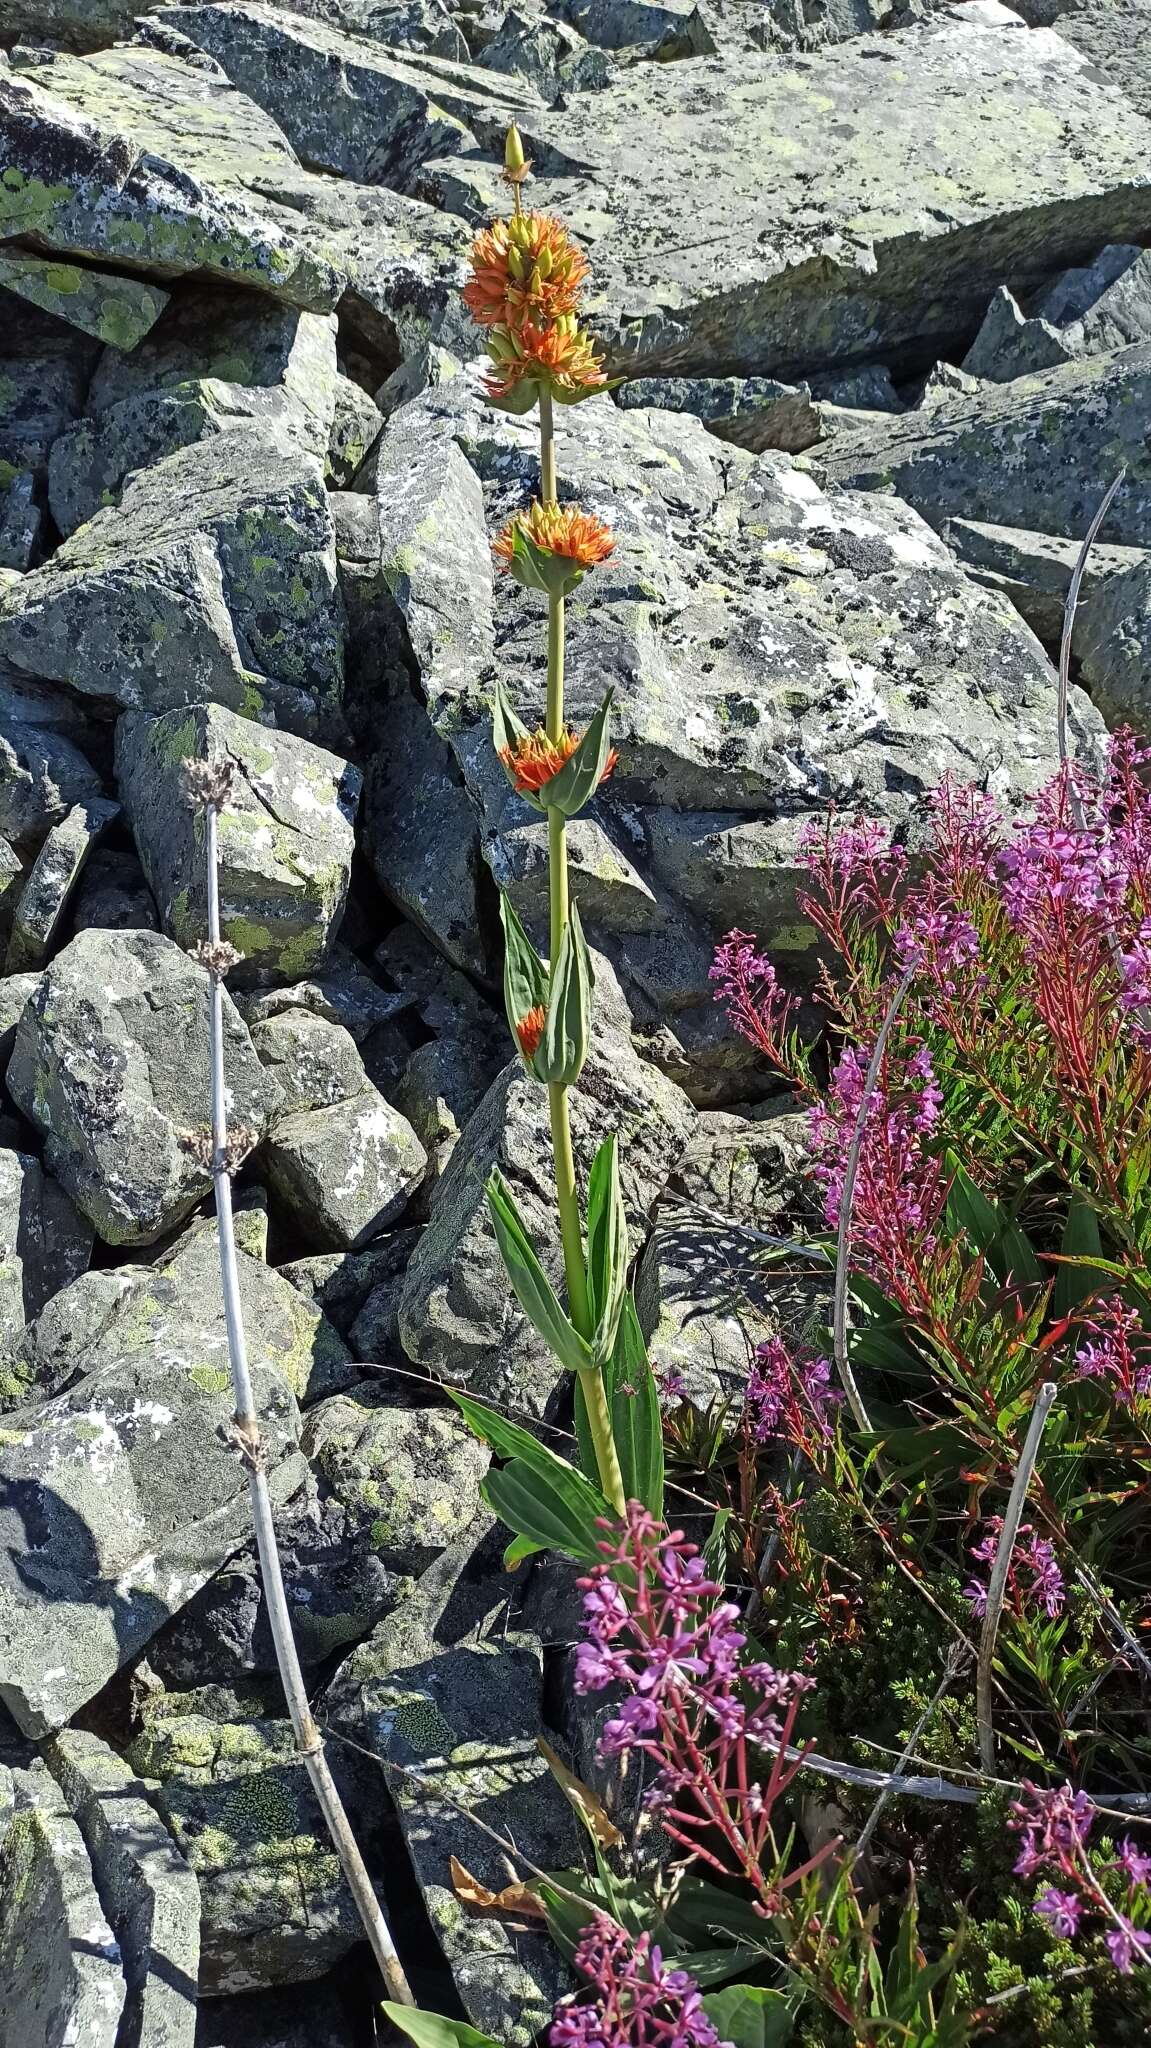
(747, 985)
(1118, 1352)
(639, 2002)
(788, 1397)
(1061, 1910)
(1127, 1944)
(1032, 1554)
(900, 1187)
(1053, 1823)
(656, 1624)
(1133, 1862)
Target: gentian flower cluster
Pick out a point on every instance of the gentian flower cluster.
(1053, 1824)
(656, 1624)
(1032, 1554)
(638, 2003)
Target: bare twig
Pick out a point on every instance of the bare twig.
(847, 1204)
(998, 1587)
(1071, 606)
(956, 1658)
(246, 1428)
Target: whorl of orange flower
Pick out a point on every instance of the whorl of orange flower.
(530, 1030)
(526, 268)
(563, 530)
(534, 760)
(561, 356)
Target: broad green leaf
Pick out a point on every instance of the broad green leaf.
(563, 1049)
(1075, 1280)
(518, 1549)
(509, 1440)
(580, 776)
(530, 1284)
(991, 1230)
(749, 2015)
(432, 2030)
(552, 1513)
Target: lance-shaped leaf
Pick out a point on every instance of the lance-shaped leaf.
(607, 1248)
(552, 1513)
(525, 977)
(519, 399)
(563, 1048)
(507, 729)
(581, 775)
(530, 1284)
(583, 391)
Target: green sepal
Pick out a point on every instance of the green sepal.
(537, 569)
(507, 729)
(519, 399)
(562, 1050)
(525, 976)
(586, 391)
(580, 777)
(530, 1284)
(607, 1248)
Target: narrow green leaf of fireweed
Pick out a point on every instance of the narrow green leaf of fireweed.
(636, 1422)
(530, 1284)
(582, 773)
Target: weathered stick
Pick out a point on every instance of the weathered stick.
(998, 1587)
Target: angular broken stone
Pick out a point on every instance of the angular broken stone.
(174, 1309)
(1037, 453)
(309, 1061)
(225, 551)
(47, 892)
(86, 173)
(115, 310)
(386, 115)
(345, 1172)
(276, 1906)
(355, 424)
(1106, 305)
(43, 776)
(415, 1473)
(44, 1244)
(285, 835)
(1008, 345)
(217, 360)
(61, 1978)
(1114, 646)
(458, 1317)
(997, 154)
(753, 412)
(111, 1066)
(117, 1501)
(1034, 569)
(150, 1893)
(15, 991)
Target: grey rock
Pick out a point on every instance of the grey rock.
(421, 836)
(1000, 154)
(47, 367)
(342, 1283)
(337, 1584)
(1008, 345)
(111, 1066)
(15, 992)
(151, 1896)
(457, 1315)
(441, 1085)
(868, 389)
(113, 309)
(89, 175)
(389, 113)
(217, 360)
(425, 25)
(429, 366)
(47, 893)
(467, 1722)
(1034, 569)
(60, 1973)
(21, 522)
(888, 670)
(344, 994)
(1111, 35)
(73, 24)
(344, 1172)
(753, 412)
(224, 549)
(548, 54)
(672, 26)
(324, 2014)
(285, 835)
(173, 1309)
(1114, 647)
(1105, 306)
(112, 895)
(276, 1908)
(11, 878)
(1037, 453)
(706, 1295)
(43, 775)
(44, 1243)
(413, 1473)
(355, 425)
(310, 1062)
(118, 1501)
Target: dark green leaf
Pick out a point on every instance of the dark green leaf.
(563, 1048)
(530, 1284)
(552, 1513)
(1075, 1280)
(432, 2030)
(749, 2015)
(525, 976)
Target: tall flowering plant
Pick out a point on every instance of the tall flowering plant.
(525, 292)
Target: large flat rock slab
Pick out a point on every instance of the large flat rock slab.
(1038, 452)
(803, 209)
(61, 1980)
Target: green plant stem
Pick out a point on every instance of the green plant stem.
(567, 1191)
